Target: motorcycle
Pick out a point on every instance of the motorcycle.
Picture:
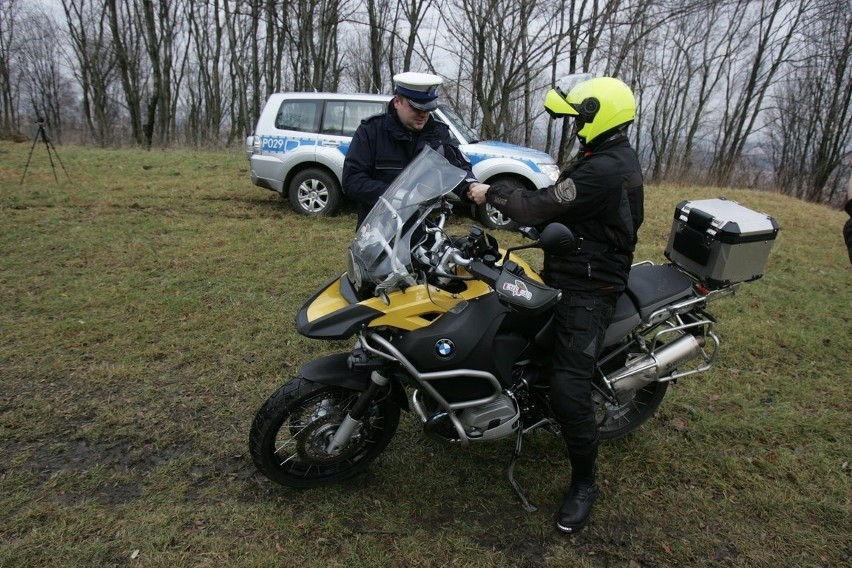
(460, 331)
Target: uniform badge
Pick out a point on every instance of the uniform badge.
(566, 190)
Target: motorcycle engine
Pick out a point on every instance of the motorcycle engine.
(493, 420)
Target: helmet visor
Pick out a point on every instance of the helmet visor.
(556, 105)
(565, 84)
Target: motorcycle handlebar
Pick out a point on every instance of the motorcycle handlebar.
(484, 272)
(459, 259)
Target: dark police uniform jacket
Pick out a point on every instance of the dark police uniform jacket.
(600, 196)
(382, 147)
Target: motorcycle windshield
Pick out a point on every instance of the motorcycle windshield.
(382, 244)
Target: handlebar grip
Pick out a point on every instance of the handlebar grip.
(484, 272)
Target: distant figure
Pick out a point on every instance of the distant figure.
(847, 228)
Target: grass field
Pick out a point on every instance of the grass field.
(146, 311)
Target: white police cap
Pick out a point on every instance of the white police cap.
(421, 89)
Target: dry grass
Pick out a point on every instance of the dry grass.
(147, 310)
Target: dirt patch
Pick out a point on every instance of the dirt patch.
(111, 494)
(125, 464)
(85, 455)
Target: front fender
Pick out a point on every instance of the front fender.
(334, 370)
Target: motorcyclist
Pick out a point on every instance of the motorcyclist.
(600, 197)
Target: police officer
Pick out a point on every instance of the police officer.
(385, 143)
(600, 197)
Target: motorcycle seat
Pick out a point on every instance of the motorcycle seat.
(649, 288)
(653, 286)
(624, 318)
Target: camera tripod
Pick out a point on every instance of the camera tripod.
(51, 150)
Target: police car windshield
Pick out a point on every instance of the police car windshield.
(470, 135)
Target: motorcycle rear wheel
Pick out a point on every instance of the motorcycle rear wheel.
(291, 431)
(618, 421)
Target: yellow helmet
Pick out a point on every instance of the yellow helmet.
(600, 104)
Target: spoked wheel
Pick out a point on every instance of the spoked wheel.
(616, 421)
(291, 433)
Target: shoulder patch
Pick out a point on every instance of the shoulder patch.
(565, 190)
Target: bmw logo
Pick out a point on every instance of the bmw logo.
(445, 348)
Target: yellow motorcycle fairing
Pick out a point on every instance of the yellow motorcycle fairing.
(334, 312)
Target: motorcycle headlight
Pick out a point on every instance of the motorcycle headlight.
(354, 272)
(359, 278)
(550, 170)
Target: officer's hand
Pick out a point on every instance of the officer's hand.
(477, 192)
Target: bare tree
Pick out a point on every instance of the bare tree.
(811, 128)
(281, 27)
(47, 91)
(563, 23)
(315, 55)
(146, 37)
(127, 42)
(163, 37)
(775, 25)
(717, 80)
(503, 49)
(243, 33)
(588, 20)
(205, 105)
(415, 13)
(95, 67)
(682, 80)
(381, 23)
(9, 47)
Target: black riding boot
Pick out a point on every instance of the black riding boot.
(577, 507)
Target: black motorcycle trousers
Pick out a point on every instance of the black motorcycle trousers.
(581, 322)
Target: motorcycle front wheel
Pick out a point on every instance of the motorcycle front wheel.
(292, 430)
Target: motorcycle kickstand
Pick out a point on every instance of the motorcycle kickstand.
(510, 473)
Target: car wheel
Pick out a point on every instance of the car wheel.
(489, 216)
(315, 192)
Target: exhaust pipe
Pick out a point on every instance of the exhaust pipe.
(663, 361)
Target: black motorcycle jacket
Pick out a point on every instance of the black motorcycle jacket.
(382, 147)
(600, 196)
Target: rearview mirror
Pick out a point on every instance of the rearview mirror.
(557, 239)
(529, 232)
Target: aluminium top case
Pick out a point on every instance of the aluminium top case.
(720, 242)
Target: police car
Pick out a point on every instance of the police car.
(300, 141)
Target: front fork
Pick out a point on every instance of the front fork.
(352, 421)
